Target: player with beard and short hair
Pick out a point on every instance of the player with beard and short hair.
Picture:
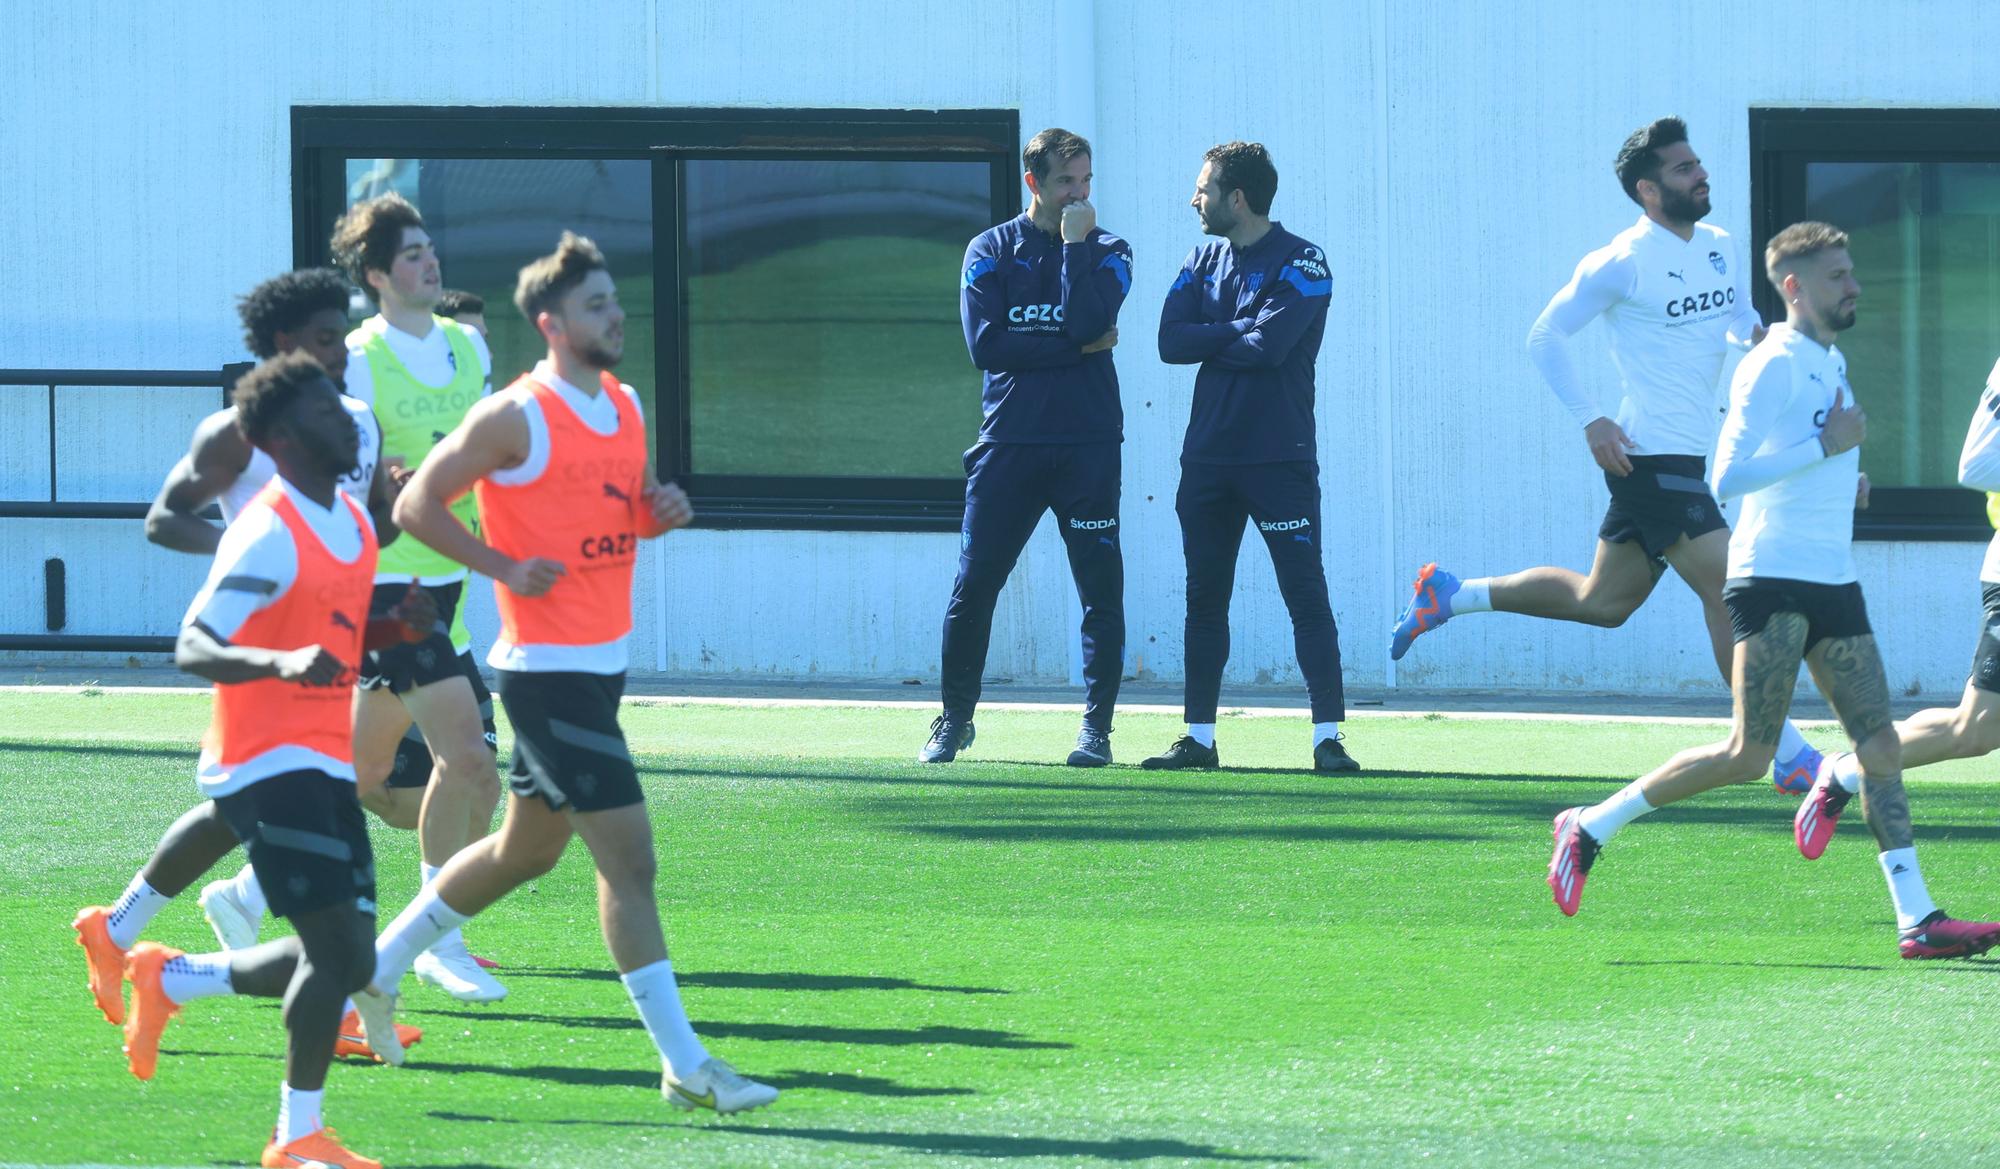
(1674, 293)
(558, 461)
(1790, 448)
(277, 627)
(1251, 311)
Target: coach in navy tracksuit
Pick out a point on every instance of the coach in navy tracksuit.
(1040, 303)
(1250, 309)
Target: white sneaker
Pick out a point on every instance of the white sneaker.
(378, 1024)
(234, 925)
(715, 1085)
(452, 970)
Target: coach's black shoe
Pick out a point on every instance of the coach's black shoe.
(1329, 755)
(1093, 748)
(1185, 753)
(949, 736)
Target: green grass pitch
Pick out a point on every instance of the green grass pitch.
(1008, 962)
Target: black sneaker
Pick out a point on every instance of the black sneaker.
(949, 736)
(1185, 753)
(1329, 755)
(1093, 748)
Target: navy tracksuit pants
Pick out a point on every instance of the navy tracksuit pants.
(1007, 488)
(1282, 499)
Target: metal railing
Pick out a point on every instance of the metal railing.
(53, 380)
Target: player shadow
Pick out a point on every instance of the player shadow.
(1743, 965)
(933, 1036)
(784, 1032)
(761, 980)
(1049, 833)
(164, 751)
(994, 1145)
(979, 1145)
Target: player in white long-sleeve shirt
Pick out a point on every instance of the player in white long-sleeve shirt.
(1674, 295)
(1790, 449)
(1972, 728)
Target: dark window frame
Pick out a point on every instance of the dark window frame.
(1782, 141)
(669, 138)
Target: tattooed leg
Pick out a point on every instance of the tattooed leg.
(1763, 675)
(1848, 670)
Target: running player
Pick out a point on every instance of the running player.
(1972, 728)
(421, 374)
(1250, 310)
(559, 464)
(1675, 294)
(1790, 448)
(277, 627)
(1040, 305)
(399, 800)
(303, 311)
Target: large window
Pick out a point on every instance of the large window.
(790, 277)
(1918, 192)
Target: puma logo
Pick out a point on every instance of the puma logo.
(342, 621)
(1678, 276)
(613, 493)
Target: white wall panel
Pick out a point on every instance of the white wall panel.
(1453, 159)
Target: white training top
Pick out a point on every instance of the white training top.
(1673, 308)
(1979, 462)
(254, 567)
(262, 469)
(600, 414)
(1798, 504)
(428, 358)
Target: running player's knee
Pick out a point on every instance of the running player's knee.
(1748, 761)
(1881, 753)
(528, 859)
(1608, 612)
(467, 764)
(1978, 727)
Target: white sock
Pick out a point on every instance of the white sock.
(1604, 820)
(1203, 733)
(1847, 773)
(1324, 731)
(251, 892)
(1906, 887)
(416, 929)
(196, 976)
(298, 1114)
(133, 909)
(658, 998)
(1790, 742)
(452, 940)
(1473, 596)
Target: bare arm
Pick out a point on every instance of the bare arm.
(382, 492)
(200, 652)
(494, 436)
(217, 456)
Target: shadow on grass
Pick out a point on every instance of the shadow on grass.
(1141, 833)
(1325, 787)
(1743, 965)
(982, 1145)
(162, 751)
(761, 980)
(880, 1036)
(788, 1080)
(996, 1146)
(785, 1032)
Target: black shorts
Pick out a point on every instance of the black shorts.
(568, 748)
(307, 840)
(413, 756)
(1986, 659)
(1830, 610)
(1664, 498)
(402, 668)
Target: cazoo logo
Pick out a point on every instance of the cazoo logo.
(1024, 314)
(1702, 303)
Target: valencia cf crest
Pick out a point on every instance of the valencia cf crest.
(1721, 265)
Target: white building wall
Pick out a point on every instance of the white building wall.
(1453, 159)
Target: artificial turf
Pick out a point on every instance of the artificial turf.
(1008, 961)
